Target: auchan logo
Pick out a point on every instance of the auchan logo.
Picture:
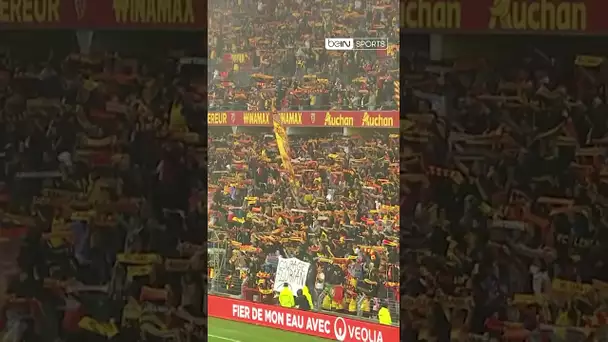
(338, 120)
(377, 120)
(543, 15)
(427, 14)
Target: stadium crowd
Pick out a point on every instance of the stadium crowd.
(268, 51)
(102, 192)
(342, 217)
(504, 202)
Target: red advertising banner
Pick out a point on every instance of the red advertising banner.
(334, 118)
(334, 328)
(516, 16)
(103, 14)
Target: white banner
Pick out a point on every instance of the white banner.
(292, 271)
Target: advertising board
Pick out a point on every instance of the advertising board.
(335, 328)
(103, 14)
(334, 118)
(506, 16)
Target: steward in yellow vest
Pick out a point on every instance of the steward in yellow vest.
(286, 298)
(384, 316)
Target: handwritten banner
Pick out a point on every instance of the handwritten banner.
(291, 271)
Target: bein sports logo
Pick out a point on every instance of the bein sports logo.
(340, 329)
(344, 44)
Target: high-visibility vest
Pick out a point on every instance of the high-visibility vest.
(286, 298)
(384, 316)
(306, 294)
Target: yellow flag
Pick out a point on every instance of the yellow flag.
(177, 121)
(138, 259)
(588, 61)
(239, 220)
(131, 311)
(139, 271)
(108, 330)
(283, 145)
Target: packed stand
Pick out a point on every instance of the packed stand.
(504, 202)
(272, 53)
(341, 218)
(101, 198)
